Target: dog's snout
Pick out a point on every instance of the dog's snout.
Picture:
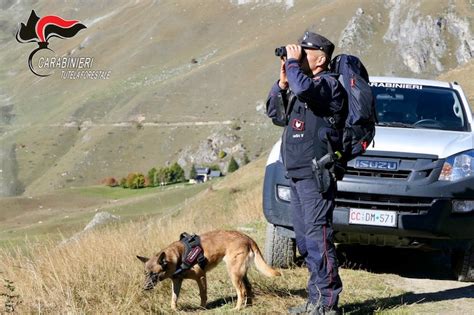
(148, 285)
(151, 280)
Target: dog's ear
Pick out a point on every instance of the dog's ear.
(162, 260)
(143, 259)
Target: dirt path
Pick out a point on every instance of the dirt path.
(437, 296)
(426, 278)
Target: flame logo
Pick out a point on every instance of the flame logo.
(40, 30)
(297, 125)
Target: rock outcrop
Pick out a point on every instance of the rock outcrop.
(423, 40)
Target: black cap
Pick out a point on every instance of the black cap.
(312, 40)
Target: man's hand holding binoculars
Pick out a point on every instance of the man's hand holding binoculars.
(283, 83)
(294, 51)
(291, 51)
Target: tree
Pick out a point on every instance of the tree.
(123, 182)
(138, 181)
(110, 181)
(130, 179)
(214, 167)
(163, 176)
(177, 173)
(233, 166)
(147, 182)
(152, 177)
(193, 172)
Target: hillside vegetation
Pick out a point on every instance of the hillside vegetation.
(463, 76)
(189, 78)
(99, 273)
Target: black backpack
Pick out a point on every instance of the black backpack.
(359, 129)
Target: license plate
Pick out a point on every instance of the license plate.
(373, 217)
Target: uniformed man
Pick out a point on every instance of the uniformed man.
(311, 103)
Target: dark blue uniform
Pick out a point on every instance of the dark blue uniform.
(313, 112)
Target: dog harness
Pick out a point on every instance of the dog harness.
(193, 253)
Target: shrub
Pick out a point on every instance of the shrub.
(233, 166)
(138, 181)
(151, 178)
(148, 182)
(176, 173)
(163, 176)
(192, 172)
(123, 182)
(214, 167)
(12, 300)
(246, 159)
(138, 125)
(222, 154)
(235, 126)
(130, 179)
(110, 181)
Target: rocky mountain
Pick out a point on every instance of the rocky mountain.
(188, 79)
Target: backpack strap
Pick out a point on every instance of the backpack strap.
(331, 120)
(193, 253)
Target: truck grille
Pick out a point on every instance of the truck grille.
(383, 202)
(400, 174)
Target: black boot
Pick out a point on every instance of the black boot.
(324, 310)
(305, 308)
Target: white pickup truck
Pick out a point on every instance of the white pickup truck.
(414, 187)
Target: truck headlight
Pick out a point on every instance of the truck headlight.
(463, 206)
(283, 193)
(458, 166)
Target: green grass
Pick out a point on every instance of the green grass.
(121, 193)
(164, 200)
(56, 222)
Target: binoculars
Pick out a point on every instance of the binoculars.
(281, 52)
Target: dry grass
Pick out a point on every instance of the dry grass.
(100, 274)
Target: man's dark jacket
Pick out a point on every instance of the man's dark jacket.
(313, 111)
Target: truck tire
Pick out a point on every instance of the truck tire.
(462, 262)
(280, 250)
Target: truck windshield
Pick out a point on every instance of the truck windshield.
(418, 107)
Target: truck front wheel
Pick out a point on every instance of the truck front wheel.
(462, 262)
(280, 250)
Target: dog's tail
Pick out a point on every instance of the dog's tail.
(260, 263)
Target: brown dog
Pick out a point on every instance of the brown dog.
(236, 249)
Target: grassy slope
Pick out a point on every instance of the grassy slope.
(153, 76)
(64, 212)
(101, 274)
(462, 75)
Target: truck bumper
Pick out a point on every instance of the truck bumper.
(424, 212)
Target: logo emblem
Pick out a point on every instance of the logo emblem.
(40, 30)
(297, 124)
(380, 165)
